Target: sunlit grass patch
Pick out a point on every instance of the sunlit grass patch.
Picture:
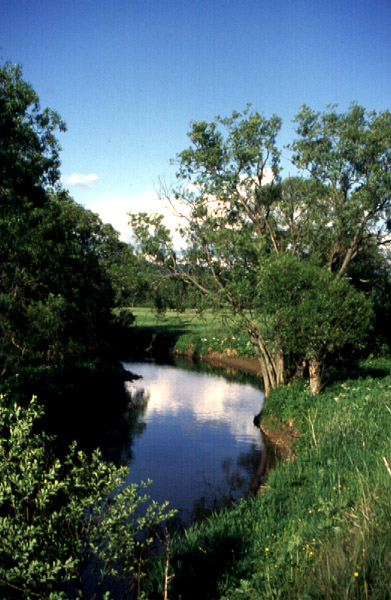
(198, 333)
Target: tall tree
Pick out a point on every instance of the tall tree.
(29, 149)
(237, 213)
(350, 153)
(55, 295)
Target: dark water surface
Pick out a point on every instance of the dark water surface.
(193, 435)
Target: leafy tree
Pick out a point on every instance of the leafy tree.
(56, 259)
(350, 154)
(237, 213)
(370, 272)
(55, 297)
(297, 301)
(66, 526)
(29, 150)
(226, 204)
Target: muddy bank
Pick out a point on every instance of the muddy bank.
(245, 364)
(279, 436)
(240, 363)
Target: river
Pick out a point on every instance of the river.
(192, 434)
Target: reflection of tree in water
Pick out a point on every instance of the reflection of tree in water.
(95, 411)
(240, 480)
(127, 426)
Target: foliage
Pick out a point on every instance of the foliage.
(238, 214)
(370, 273)
(298, 301)
(349, 153)
(69, 525)
(129, 274)
(61, 269)
(29, 150)
(55, 298)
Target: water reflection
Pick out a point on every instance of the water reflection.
(124, 429)
(196, 438)
(92, 409)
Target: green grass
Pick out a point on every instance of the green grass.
(193, 333)
(321, 529)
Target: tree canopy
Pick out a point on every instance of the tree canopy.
(61, 269)
(238, 213)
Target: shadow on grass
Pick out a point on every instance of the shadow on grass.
(357, 368)
(203, 570)
(156, 341)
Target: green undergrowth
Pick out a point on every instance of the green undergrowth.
(321, 527)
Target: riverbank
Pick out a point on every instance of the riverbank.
(244, 364)
(321, 528)
(190, 334)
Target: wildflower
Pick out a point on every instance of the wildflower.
(202, 550)
(266, 549)
(356, 573)
(310, 511)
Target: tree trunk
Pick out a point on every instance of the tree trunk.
(316, 370)
(272, 364)
(267, 381)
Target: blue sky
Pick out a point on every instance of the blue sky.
(128, 76)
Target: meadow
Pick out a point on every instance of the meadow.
(192, 332)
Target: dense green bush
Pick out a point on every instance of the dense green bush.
(66, 527)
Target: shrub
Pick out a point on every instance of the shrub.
(69, 524)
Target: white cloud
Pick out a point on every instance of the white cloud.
(77, 179)
(114, 210)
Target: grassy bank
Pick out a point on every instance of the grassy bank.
(321, 527)
(192, 333)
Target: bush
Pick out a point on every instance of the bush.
(66, 525)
